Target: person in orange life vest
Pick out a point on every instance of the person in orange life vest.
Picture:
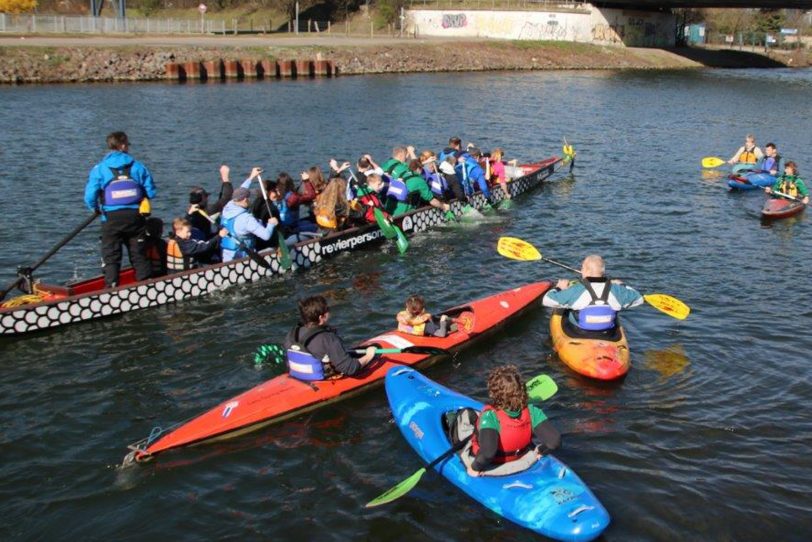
(509, 427)
(416, 321)
(790, 184)
(184, 252)
(748, 153)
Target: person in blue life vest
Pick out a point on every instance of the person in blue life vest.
(771, 163)
(242, 226)
(594, 301)
(468, 168)
(508, 427)
(749, 153)
(116, 187)
(315, 351)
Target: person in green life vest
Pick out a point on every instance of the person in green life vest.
(407, 188)
(509, 427)
(790, 184)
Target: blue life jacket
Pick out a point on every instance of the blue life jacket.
(287, 215)
(302, 364)
(598, 315)
(123, 189)
(445, 153)
(770, 162)
(230, 243)
(398, 190)
(437, 183)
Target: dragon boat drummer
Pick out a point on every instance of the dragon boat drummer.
(594, 300)
(315, 351)
(116, 187)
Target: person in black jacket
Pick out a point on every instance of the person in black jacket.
(199, 199)
(183, 252)
(322, 342)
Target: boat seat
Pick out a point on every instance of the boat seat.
(575, 332)
(505, 469)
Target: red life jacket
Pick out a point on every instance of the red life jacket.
(371, 201)
(515, 435)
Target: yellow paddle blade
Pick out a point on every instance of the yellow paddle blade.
(670, 305)
(712, 161)
(516, 249)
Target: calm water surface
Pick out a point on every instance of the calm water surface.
(708, 437)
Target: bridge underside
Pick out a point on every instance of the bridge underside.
(773, 4)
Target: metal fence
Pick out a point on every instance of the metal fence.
(509, 5)
(25, 24)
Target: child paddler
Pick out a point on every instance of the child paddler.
(790, 183)
(407, 189)
(185, 252)
(508, 427)
(415, 320)
(594, 300)
(315, 351)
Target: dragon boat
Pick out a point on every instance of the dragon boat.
(47, 305)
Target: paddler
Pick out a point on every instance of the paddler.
(790, 183)
(116, 186)
(416, 320)
(594, 300)
(185, 252)
(242, 226)
(407, 189)
(748, 153)
(202, 229)
(508, 427)
(315, 351)
(771, 163)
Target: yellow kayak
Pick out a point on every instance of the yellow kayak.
(602, 355)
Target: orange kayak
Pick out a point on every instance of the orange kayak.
(600, 355)
(283, 396)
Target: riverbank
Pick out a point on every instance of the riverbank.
(40, 59)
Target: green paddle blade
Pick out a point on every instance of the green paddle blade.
(450, 216)
(397, 491)
(284, 253)
(541, 388)
(402, 242)
(272, 355)
(506, 204)
(386, 227)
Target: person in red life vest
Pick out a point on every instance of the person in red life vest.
(415, 320)
(368, 195)
(184, 252)
(509, 427)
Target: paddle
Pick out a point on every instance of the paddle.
(260, 261)
(711, 162)
(569, 153)
(25, 272)
(416, 349)
(284, 254)
(539, 388)
(775, 193)
(517, 249)
(274, 353)
(390, 230)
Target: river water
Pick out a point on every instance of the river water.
(706, 439)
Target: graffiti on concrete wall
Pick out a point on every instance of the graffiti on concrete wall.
(612, 33)
(550, 30)
(454, 20)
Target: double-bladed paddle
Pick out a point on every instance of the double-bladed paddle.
(539, 388)
(253, 254)
(783, 195)
(275, 353)
(518, 249)
(711, 162)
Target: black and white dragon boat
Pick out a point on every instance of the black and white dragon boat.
(46, 306)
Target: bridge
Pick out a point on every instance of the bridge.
(648, 4)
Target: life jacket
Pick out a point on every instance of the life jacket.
(288, 216)
(598, 315)
(229, 242)
(748, 157)
(788, 185)
(445, 153)
(398, 190)
(770, 163)
(437, 183)
(175, 260)
(515, 435)
(301, 363)
(123, 189)
(418, 328)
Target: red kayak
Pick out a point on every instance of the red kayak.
(781, 208)
(283, 396)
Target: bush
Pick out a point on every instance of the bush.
(17, 6)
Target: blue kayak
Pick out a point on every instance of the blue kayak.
(750, 181)
(743, 168)
(547, 498)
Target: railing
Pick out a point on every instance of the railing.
(510, 5)
(25, 24)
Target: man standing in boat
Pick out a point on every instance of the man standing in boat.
(116, 187)
(594, 300)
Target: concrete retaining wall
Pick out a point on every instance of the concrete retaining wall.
(593, 25)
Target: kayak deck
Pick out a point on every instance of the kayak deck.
(548, 498)
(781, 208)
(283, 396)
(602, 358)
